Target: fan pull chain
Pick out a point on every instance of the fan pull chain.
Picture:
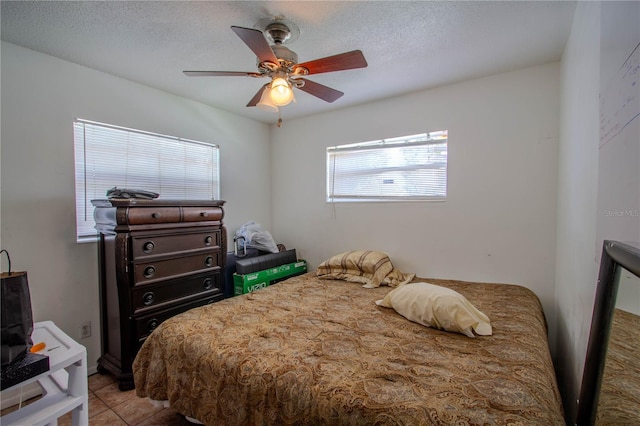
(279, 118)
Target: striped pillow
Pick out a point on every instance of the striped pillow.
(372, 268)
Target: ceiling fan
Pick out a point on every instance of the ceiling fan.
(280, 64)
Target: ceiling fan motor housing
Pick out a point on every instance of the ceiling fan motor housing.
(284, 53)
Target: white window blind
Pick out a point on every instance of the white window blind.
(108, 156)
(399, 169)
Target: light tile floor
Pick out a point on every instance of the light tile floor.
(109, 406)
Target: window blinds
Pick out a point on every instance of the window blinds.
(401, 169)
(108, 156)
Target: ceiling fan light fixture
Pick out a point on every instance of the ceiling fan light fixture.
(281, 92)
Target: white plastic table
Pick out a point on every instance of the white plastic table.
(64, 386)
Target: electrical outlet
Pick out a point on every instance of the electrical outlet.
(85, 330)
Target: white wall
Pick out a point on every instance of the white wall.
(41, 96)
(619, 145)
(498, 223)
(577, 198)
(603, 35)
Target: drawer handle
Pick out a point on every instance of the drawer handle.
(209, 261)
(204, 214)
(207, 283)
(148, 298)
(156, 215)
(149, 271)
(208, 240)
(148, 247)
(152, 324)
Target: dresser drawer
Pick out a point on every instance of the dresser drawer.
(200, 214)
(154, 271)
(162, 244)
(154, 296)
(145, 324)
(149, 215)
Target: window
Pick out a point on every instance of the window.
(405, 168)
(108, 156)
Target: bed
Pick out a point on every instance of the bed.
(317, 351)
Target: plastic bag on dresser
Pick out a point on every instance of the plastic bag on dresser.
(255, 236)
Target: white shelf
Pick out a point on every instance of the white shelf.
(64, 386)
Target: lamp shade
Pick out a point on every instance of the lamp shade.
(281, 93)
(265, 103)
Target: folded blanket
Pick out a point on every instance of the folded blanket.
(372, 268)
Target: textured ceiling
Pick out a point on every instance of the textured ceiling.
(409, 45)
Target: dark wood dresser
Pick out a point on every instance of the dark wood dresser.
(157, 258)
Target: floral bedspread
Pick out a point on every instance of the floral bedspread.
(307, 351)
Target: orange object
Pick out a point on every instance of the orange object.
(38, 347)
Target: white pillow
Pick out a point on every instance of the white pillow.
(438, 307)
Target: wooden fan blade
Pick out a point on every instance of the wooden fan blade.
(342, 61)
(256, 98)
(221, 74)
(323, 92)
(257, 43)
